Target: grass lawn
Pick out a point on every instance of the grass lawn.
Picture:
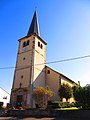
(71, 108)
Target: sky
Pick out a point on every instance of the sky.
(64, 25)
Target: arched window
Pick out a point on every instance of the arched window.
(41, 46)
(24, 44)
(28, 42)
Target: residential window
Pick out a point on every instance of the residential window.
(5, 97)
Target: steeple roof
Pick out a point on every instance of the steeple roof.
(34, 26)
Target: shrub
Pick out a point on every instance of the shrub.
(82, 96)
(65, 91)
(53, 105)
(65, 104)
(41, 96)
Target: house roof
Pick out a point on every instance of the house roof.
(4, 90)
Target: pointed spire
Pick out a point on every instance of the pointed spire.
(34, 27)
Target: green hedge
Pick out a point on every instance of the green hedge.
(59, 104)
(53, 105)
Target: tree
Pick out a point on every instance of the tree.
(65, 91)
(42, 95)
(82, 96)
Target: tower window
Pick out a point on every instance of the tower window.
(28, 42)
(21, 76)
(39, 44)
(24, 44)
(48, 72)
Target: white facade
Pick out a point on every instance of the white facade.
(4, 97)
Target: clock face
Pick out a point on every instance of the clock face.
(25, 49)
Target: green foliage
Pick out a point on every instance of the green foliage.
(65, 91)
(53, 104)
(71, 108)
(82, 96)
(59, 104)
(41, 96)
(67, 104)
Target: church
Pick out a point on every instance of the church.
(31, 70)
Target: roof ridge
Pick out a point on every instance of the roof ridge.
(61, 74)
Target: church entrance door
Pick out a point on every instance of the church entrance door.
(19, 101)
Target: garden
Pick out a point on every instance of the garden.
(80, 94)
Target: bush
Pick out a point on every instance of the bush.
(73, 104)
(82, 96)
(59, 104)
(41, 96)
(53, 105)
(65, 104)
(65, 91)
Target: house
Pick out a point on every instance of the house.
(31, 69)
(4, 97)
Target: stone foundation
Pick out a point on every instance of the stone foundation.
(51, 113)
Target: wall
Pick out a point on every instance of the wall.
(68, 114)
(52, 80)
(39, 60)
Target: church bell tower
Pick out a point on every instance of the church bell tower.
(30, 66)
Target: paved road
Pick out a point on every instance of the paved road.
(41, 118)
(28, 118)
